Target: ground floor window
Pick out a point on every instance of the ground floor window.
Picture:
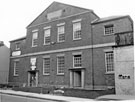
(109, 61)
(60, 64)
(16, 67)
(46, 66)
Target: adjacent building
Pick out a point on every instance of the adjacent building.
(68, 46)
(114, 33)
(4, 63)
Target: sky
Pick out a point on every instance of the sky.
(16, 15)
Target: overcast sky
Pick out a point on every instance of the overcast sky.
(15, 15)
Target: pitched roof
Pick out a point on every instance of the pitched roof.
(73, 6)
(69, 10)
(22, 38)
(110, 18)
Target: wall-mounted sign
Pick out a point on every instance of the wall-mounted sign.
(120, 76)
(33, 67)
(16, 53)
(54, 14)
(33, 63)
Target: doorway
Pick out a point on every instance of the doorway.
(33, 78)
(77, 78)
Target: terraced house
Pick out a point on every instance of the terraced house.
(68, 46)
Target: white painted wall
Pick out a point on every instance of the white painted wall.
(124, 66)
(4, 63)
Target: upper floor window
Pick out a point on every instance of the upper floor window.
(35, 39)
(77, 61)
(60, 64)
(47, 35)
(109, 61)
(109, 29)
(61, 35)
(46, 66)
(76, 30)
(17, 46)
(16, 67)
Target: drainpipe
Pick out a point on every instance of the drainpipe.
(132, 24)
(92, 57)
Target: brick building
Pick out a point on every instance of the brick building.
(67, 46)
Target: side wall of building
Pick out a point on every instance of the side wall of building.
(124, 70)
(4, 64)
(120, 25)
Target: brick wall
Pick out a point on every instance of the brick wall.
(86, 34)
(120, 25)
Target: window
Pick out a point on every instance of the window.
(16, 66)
(77, 31)
(60, 64)
(17, 46)
(77, 61)
(109, 29)
(47, 37)
(109, 60)
(61, 35)
(35, 39)
(46, 66)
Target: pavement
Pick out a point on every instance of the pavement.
(19, 96)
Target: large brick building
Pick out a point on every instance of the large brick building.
(68, 46)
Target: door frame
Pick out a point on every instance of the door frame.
(36, 77)
(71, 75)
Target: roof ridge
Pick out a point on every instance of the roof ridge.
(61, 4)
(24, 37)
(73, 6)
(103, 19)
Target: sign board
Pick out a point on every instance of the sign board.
(33, 63)
(33, 67)
(16, 53)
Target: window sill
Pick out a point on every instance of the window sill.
(77, 39)
(109, 72)
(77, 67)
(46, 74)
(34, 46)
(60, 74)
(17, 49)
(16, 75)
(47, 44)
(60, 41)
(109, 34)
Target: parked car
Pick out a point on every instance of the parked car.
(115, 97)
